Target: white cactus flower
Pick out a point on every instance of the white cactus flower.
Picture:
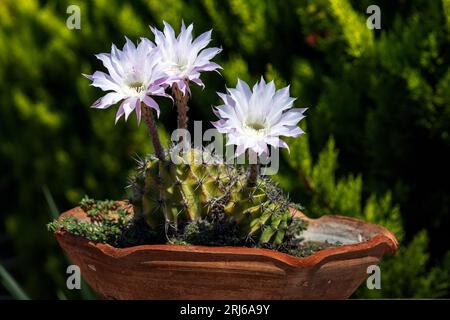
(134, 75)
(255, 119)
(182, 58)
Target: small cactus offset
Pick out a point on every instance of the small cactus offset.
(171, 194)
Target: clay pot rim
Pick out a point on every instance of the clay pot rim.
(384, 241)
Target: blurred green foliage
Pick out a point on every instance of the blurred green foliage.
(380, 97)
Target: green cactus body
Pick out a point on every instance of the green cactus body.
(170, 195)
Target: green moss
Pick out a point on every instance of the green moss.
(110, 223)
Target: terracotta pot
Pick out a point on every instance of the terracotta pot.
(200, 272)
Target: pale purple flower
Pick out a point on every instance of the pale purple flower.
(182, 58)
(133, 77)
(256, 119)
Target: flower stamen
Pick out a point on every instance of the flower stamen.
(255, 129)
(137, 86)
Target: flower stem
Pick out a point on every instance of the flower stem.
(153, 132)
(253, 175)
(181, 101)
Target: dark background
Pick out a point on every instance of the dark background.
(377, 143)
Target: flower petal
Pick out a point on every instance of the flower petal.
(138, 111)
(103, 81)
(128, 106)
(107, 100)
(198, 82)
(240, 150)
(211, 66)
(208, 54)
(152, 104)
(119, 113)
(202, 41)
(112, 67)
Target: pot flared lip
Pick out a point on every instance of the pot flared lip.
(383, 242)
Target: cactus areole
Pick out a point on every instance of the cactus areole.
(186, 205)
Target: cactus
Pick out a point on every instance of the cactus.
(170, 194)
